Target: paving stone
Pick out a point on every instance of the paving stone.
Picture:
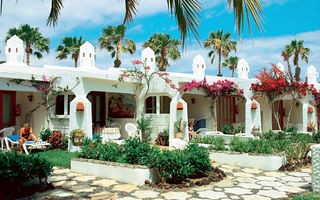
(291, 178)
(266, 178)
(274, 174)
(60, 183)
(70, 183)
(61, 171)
(211, 194)
(290, 189)
(237, 191)
(203, 188)
(218, 189)
(176, 195)
(241, 174)
(125, 187)
(308, 179)
(104, 182)
(74, 174)
(224, 183)
(58, 178)
(249, 186)
(230, 166)
(270, 183)
(55, 168)
(234, 197)
(299, 174)
(61, 193)
(145, 194)
(297, 184)
(243, 179)
(82, 188)
(250, 170)
(267, 188)
(254, 197)
(272, 194)
(226, 170)
(127, 198)
(84, 178)
(104, 195)
(306, 170)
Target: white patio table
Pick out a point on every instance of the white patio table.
(109, 133)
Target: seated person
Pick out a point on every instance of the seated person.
(191, 132)
(26, 134)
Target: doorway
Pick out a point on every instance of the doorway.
(7, 104)
(98, 106)
(226, 115)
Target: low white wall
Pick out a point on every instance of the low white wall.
(132, 174)
(263, 162)
(316, 168)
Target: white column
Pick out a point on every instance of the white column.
(80, 119)
(248, 116)
(315, 168)
(158, 105)
(305, 105)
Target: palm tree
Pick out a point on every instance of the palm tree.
(186, 12)
(164, 47)
(34, 41)
(297, 50)
(221, 45)
(232, 62)
(70, 46)
(112, 39)
(286, 55)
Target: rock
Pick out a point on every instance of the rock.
(191, 184)
(206, 182)
(147, 182)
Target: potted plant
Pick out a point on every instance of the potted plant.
(255, 131)
(311, 126)
(77, 136)
(179, 126)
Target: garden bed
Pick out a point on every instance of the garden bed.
(126, 173)
(256, 161)
(228, 137)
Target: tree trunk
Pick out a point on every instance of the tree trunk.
(276, 116)
(232, 71)
(76, 60)
(214, 121)
(219, 74)
(162, 61)
(297, 72)
(117, 62)
(28, 49)
(289, 114)
(289, 69)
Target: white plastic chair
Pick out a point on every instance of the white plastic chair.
(5, 133)
(132, 130)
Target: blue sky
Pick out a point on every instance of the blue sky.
(284, 20)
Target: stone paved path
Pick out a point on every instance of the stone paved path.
(241, 183)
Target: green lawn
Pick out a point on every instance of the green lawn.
(58, 157)
(310, 196)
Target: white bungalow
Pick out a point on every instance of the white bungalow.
(93, 88)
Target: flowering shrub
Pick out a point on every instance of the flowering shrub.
(219, 88)
(58, 140)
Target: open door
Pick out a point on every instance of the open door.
(226, 114)
(98, 105)
(7, 104)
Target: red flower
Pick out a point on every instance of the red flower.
(135, 62)
(307, 148)
(148, 68)
(121, 148)
(92, 145)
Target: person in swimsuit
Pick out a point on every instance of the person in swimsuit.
(26, 134)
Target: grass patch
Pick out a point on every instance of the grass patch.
(310, 196)
(58, 157)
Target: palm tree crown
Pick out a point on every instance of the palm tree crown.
(286, 55)
(296, 49)
(232, 62)
(186, 12)
(70, 46)
(164, 47)
(34, 41)
(112, 40)
(220, 45)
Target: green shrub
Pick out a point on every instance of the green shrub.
(204, 140)
(219, 144)
(45, 134)
(199, 158)
(58, 140)
(316, 137)
(251, 146)
(20, 168)
(144, 125)
(165, 134)
(310, 196)
(227, 130)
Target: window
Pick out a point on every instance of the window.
(9, 50)
(165, 104)
(16, 50)
(151, 105)
(60, 105)
(151, 59)
(90, 55)
(83, 55)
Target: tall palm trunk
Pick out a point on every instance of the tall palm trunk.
(297, 72)
(289, 69)
(163, 58)
(232, 70)
(219, 74)
(28, 50)
(117, 62)
(76, 56)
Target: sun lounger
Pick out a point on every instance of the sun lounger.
(34, 144)
(14, 140)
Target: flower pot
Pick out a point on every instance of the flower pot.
(80, 106)
(77, 141)
(255, 131)
(178, 135)
(310, 110)
(179, 106)
(254, 106)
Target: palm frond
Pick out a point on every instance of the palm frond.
(131, 10)
(56, 6)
